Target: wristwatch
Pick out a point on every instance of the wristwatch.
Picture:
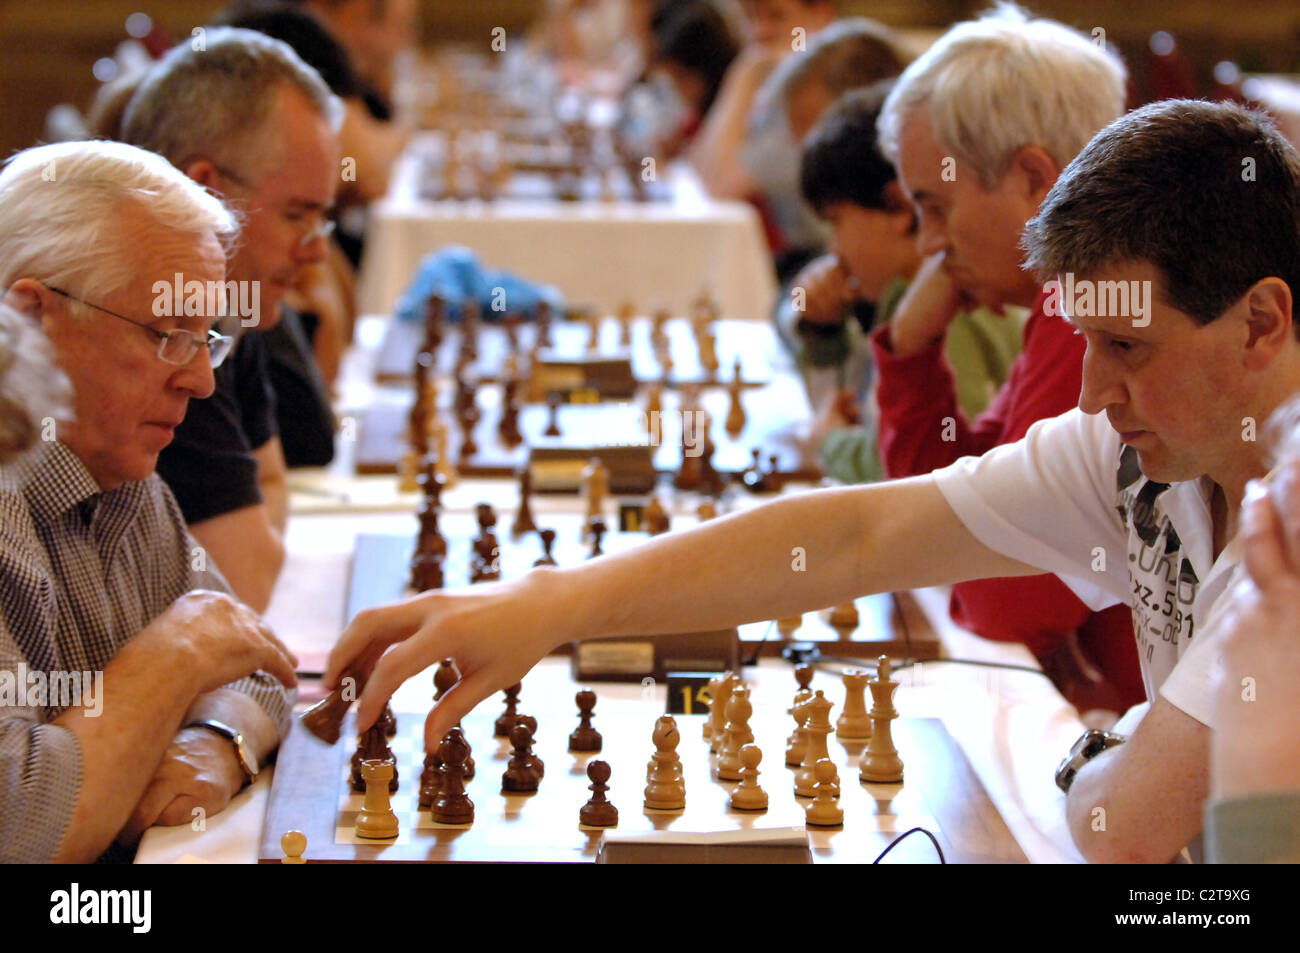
(1090, 744)
(243, 754)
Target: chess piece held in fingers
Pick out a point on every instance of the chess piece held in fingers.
(325, 718)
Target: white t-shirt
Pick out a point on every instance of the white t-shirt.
(1072, 499)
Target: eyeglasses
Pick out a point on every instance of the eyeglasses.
(321, 230)
(174, 347)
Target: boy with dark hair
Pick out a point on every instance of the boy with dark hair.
(835, 301)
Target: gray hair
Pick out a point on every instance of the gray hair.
(31, 388)
(848, 54)
(62, 206)
(217, 99)
(997, 84)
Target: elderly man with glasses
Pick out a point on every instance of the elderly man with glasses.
(133, 689)
(242, 115)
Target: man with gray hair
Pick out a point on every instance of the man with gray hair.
(241, 114)
(133, 689)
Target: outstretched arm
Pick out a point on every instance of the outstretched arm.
(795, 554)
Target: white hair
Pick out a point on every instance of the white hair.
(62, 208)
(997, 84)
(31, 387)
(219, 100)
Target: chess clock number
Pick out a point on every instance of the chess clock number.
(688, 693)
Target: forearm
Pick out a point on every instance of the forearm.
(145, 697)
(796, 554)
(1120, 810)
(716, 153)
(247, 549)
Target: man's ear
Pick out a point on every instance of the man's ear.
(1037, 170)
(28, 297)
(204, 173)
(1269, 321)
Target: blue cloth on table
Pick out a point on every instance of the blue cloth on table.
(457, 275)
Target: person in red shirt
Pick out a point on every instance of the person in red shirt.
(976, 177)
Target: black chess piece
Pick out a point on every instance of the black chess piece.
(510, 716)
(521, 775)
(585, 737)
(597, 527)
(553, 401)
(372, 746)
(547, 537)
(598, 812)
(452, 805)
(524, 515)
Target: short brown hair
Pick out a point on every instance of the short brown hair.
(1208, 193)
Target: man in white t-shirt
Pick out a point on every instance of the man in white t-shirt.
(1195, 207)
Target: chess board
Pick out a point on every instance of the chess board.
(940, 792)
(773, 397)
(753, 342)
(379, 575)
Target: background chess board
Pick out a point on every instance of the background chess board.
(940, 792)
(773, 396)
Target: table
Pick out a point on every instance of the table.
(1012, 724)
(597, 253)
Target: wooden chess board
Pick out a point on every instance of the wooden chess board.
(775, 403)
(753, 342)
(379, 575)
(940, 792)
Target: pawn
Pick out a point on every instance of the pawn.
(797, 744)
(294, 844)
(444, 677)
(665, 787)
(430, 779)
(547, 536)
(509, 717)
(520, 776)
(598, 812)
(553, 418)
(585, 737)
(823, 811)
(749, 796)
(377, 820)
(597, 530)
(706, 511)
(736, 735)
(453, 806)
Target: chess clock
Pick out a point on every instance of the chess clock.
(688, 692)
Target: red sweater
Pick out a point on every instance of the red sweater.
(922, 429)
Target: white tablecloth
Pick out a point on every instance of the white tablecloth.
(597, 253)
